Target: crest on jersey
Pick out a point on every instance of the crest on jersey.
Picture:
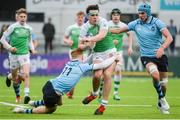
(152, 28)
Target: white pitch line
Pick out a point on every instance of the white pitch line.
(72, 105)
(111, 105)
(13, 105)
(135, 97)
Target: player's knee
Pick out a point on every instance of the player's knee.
(97, 75)
(164, 81)
(153, 71)
(118, 68)
(51, 110)
(25, 76)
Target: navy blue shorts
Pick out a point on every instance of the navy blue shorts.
(51, 99)
(162, 63)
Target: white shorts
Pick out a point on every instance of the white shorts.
(16, 61)
(101, 56)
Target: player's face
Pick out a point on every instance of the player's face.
(142, 15)
(115, 17)
(80, 19)
(21, 18)
(93, 19)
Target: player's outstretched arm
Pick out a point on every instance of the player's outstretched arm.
(104, 64)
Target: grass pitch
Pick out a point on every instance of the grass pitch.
(138, 101)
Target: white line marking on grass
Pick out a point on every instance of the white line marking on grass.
(111, 105)
(13, 105)
(72, 105)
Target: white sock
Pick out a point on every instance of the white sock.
(104, 102)
(95, 93)
(9, 76)
(26, 91)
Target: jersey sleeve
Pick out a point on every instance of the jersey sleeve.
(103, 24)
(86, 67)
(5, 38)
(67, 31)
(160, 24)
(84, 30)
(8, 32)
(131, 25)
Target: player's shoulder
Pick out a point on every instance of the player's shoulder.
(122, 24)
(28, 26)
(135, 22)
(16, 24)
(156, 20)
(72, 26)
(102, 20)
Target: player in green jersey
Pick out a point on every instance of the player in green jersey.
(95, 30)
(18, 40)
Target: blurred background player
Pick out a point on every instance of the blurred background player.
(95, 30)
(19, 36)
(150, 31)
(118, 41)
(55, 88)
(71, 38)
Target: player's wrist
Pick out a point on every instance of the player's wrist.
(163, 46)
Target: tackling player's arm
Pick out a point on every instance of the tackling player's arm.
(118, 30)
(104, 64)
(102, 33)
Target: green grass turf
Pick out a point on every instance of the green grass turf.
(138, 100)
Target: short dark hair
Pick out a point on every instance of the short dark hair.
(92, 7)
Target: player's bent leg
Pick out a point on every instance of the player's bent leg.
(38, 110)
(36, 103)
(44, 110)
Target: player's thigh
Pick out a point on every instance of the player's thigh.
(25, 64)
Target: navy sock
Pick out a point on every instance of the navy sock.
(16, 87)
(158, 88)
(39, 103)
